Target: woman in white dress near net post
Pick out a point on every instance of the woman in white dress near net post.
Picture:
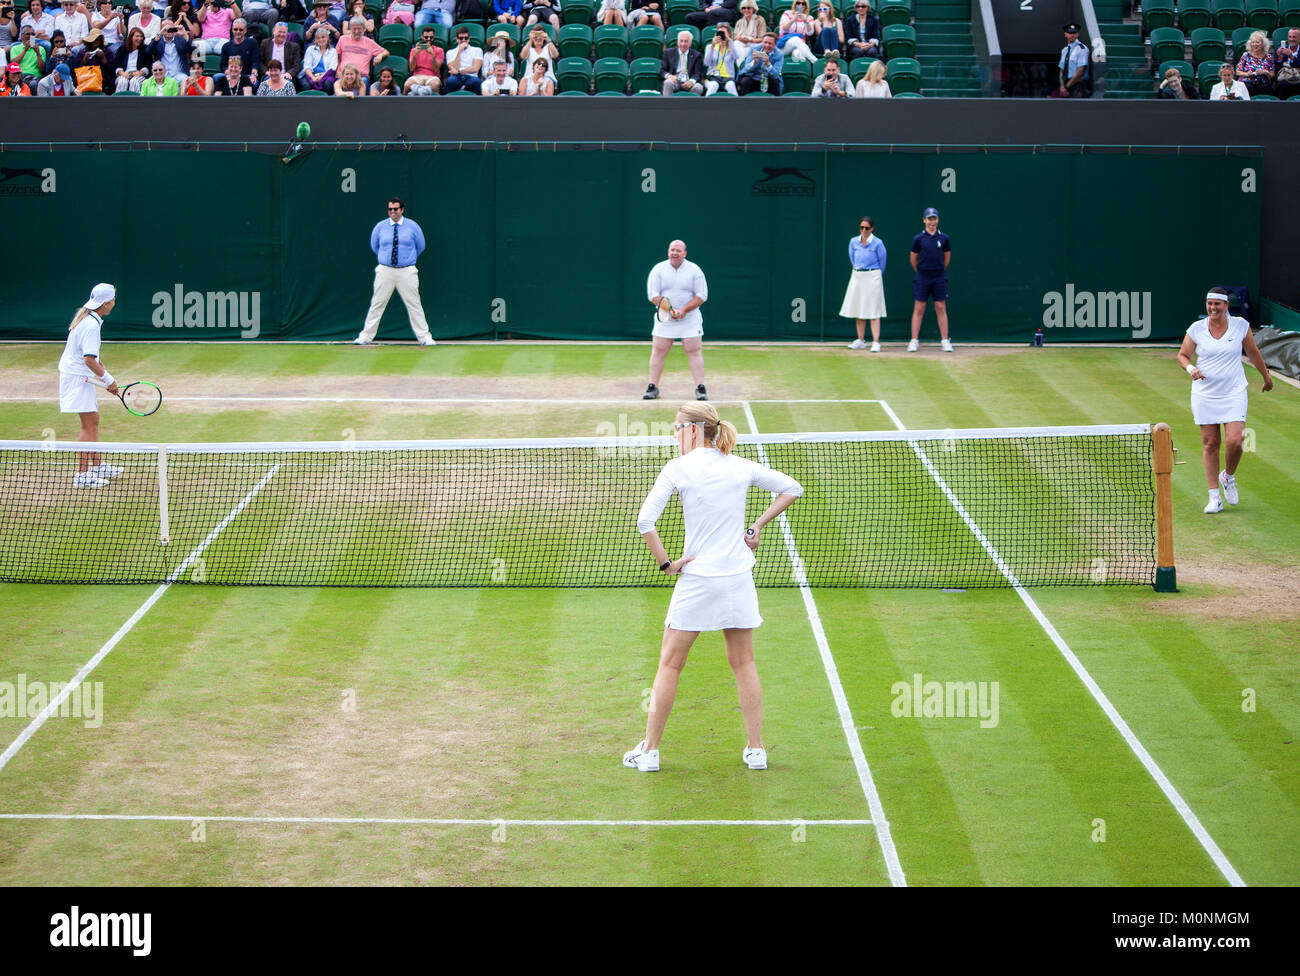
(1219, 390)
(716, 588)
(78, 367)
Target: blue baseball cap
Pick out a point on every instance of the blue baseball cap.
(64, 70)
(930, 212)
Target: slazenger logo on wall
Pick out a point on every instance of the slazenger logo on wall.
(181, 309)
(1130, 310)
(784, 181)
(16, 182)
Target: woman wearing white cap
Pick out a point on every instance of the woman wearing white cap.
(79, 366)
(716, 589)
(1219, 389)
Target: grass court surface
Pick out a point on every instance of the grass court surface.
(279, 736)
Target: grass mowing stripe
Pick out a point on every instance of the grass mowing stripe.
(52, 708)
(432, 821)
(887, 848)
(1166, 787)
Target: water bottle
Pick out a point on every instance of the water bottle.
(1038, 338)
(762, 85)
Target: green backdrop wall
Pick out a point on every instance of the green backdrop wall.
(557, 244)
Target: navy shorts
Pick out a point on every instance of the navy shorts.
(925, 287)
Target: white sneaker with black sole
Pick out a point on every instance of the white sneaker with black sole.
(754, 758)
(1215, 504)
(642, 759)
(1229, 485)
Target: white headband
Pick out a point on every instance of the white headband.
(1214, 296)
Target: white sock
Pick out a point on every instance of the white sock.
(1214, 493)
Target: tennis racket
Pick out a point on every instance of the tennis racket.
(665, 310)
(140, 398)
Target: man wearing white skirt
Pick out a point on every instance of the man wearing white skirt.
(865, 297)
(397, 243)
(1219, 390)
(682, 283)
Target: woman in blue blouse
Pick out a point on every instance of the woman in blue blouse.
(865, 297)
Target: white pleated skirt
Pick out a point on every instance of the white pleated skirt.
(865, 296)
(714, 603)
(1218, 409)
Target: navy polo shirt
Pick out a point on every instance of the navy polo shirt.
(929, 250)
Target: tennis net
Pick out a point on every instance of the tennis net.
(954, 508)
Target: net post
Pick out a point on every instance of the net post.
(164, 521)
(1162, 465)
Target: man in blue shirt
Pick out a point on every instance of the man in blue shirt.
(1073, 66)
(761, 69)
(930, 255)
(397, 242)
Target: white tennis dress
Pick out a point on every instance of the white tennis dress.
(75, 394)
(715, 590)
(1220, 398)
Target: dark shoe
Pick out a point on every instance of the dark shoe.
(700, 393)
(651, 393)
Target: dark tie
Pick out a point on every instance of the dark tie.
(394, 245)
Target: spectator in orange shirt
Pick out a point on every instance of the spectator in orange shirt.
(426, 65)
(356, 49)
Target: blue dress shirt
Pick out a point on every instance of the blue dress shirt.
(410, 242)
(869, 256)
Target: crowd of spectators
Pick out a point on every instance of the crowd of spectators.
(275, 48)
(1261, 70)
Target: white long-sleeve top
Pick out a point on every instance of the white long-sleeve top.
(713, 487)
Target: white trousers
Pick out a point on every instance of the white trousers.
(407, 282)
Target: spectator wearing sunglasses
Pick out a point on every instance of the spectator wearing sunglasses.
(159, 83)
(797, 27)
(862, 32)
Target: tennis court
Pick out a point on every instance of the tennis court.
(327, 735)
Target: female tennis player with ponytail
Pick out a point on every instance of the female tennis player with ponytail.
(78, 365)
(716, 589)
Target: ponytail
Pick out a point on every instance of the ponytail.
(726, 438)
(81, 314)
(720, 433)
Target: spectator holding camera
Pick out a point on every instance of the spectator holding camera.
(172, 50)
(797, 28)
(215, 19)
(500, 82)
(320, 22)
(183, 14)
(59, 54)
(320, 64)
(28, 55)
(10, 24)
(720, 63)
(425, 63)
(831, 83)
(761, 69)
(540, 46)
(1228, 89)
(146, 21)
(94, 55)
(108, 20)
(197, 83)
(1288, 65)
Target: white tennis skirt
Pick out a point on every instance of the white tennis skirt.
(676, 328)
(76, 395)
(1218, 409)
(865, 296)
(714, 603)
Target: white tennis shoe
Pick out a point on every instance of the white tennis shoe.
(875, 347)
(1215, 504)
(754, 758)
(105, 470)
(913, 346)
(361, 341)
(88, 479)
(642, 759)
(946, 345)
(857, 344)
(428, 341)
(1229, 485)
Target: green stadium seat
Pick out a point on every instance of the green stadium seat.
(646, 93)
(1239, 38)
(1207, 76)
(819, 68)
(678, 9)
(647, 41)
(908, 94)
(211, 64)
(573, 74)
(1157, 13)
(579, 94)
(1167, 44)
(475, 33)
(1229, 14)
(890, 12)
(511, 29)
(796, 76)
(575, 41)
(612, 94)
(706, 36)
(760, 94)
(401, 68)
(127, 92)
(395, 38)
(611, 76)
(610, 41)
(903, 75)
(1194, 14)
(899, 41)
(581, 12)
(1183, 67)
(1261, 14)
(1289, 11)
(310, 92)
(1279, 37)
(1265, 98)
(296, 30)
(645, 75)
(858, 68)
(796, 94)
(461, 93)
(670, 35)
(1208, 44)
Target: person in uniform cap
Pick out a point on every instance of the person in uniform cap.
(1073, 66)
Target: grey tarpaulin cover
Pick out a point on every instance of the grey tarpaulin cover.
(1281, 350)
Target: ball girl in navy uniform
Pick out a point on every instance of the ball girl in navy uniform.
(931, 251)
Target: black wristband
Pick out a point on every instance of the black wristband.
(664, 567)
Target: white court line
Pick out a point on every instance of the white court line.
(36, 723)
(433, 821)
(1139, 750)
(892, 864)
(235, 398)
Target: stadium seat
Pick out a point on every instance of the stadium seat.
(1261, 14)
(1194, 14)
(396, 38)
(1279, 38)
(796, 94)
(1229, 14)
(1184, 69)
(1239, 38)
(678, 9)
(510, 29)
(611, 76)
(903, 75)
(1207, 76)
(126, 92)
(819, 68)
(211, 64)
(312, 92)
(441, 35)
(579, 94)
(476, 33)
(1167, 44)
(461, 93)
(401, 68)
(296, 30)
(610, 41)
(647, 41)
(646, 93)
(573, 74)
(899, 41)
(575, 41)
(612, 94)
(892, 12)
(796, 76)
(645, 75)
(706, 36)
(1208, 44)
(670, 36)
(1289, 11)
(1157, 13)
(1265, 98)
(581, 12)
(909, 94)
(547, 29)
(858, 68)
